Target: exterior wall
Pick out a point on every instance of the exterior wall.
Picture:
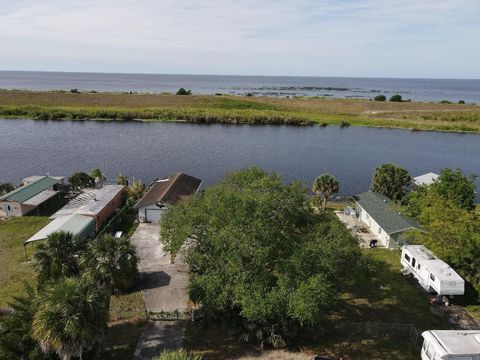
(379, 233)
(107, 211)
(11, 208)
(149, 211)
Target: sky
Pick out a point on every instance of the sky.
(364, 38)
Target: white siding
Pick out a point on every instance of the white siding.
(150, 213)
(379, 233)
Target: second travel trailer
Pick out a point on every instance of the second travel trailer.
(451, 345)
(433, 274)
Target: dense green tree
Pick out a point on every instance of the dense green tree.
(98, 176)
(80, 180)
(6, 188)
(70, 317)
(391, 180)
(380, 98)
(396, 98)
(259, 255)
(57, 257)
(16, 341)
(110, 262)
(457, 187)
(324, 187)
(183, 91)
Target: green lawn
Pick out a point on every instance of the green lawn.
(14, 269)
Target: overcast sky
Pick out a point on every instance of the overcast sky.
(375, 38)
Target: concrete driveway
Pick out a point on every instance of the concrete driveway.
(164, 285)
(164, 288)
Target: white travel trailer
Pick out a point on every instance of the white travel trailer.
(433, 274)
(451, 345)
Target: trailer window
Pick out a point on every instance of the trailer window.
(407, 257)
(414, 262)
(432, 277)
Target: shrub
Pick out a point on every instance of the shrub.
(74, 91)
(183, 91)
(177, 355)
(344, 124)
(445, 102)
(380, 98)
(396, 98)
(461, 101)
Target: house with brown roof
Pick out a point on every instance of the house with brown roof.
(163, 192)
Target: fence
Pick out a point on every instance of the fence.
(405, 331)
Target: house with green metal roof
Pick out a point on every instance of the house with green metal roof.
(28, 197)
(387, 223)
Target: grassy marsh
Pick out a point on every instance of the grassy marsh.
(44, 105)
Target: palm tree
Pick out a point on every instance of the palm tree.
(98, 176)
(110, 262)
(57, 257)
(136, 190)
(121, 179)
(324, 187)
(70, 318)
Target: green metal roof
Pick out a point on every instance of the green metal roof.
(381, 210)
(25, 192)
(79, 225)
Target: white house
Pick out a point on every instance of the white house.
(29, 196)
(169, 190)
(425, 179)
(451, 345)
(433, 274)
(378, 213)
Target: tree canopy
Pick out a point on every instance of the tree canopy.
(391, 180)
(80, 180)
(457, 187)
(6, 188)
(258, 254)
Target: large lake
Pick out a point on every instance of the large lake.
(150, 150)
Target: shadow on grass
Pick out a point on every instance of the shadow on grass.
(122, 338)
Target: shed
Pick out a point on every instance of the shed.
(29, 196)
(378, 213)
(163, 192)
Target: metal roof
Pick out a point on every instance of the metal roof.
(78, 225)
(40, 198)
(380, 209)
(25, 192)
(90, 202)
(425, 179)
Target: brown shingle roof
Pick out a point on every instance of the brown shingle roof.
(170, 190)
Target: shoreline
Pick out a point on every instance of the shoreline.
(223, 109)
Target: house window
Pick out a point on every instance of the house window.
(379, 230)
(432, 277)
(9, 208)
(407, 257)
